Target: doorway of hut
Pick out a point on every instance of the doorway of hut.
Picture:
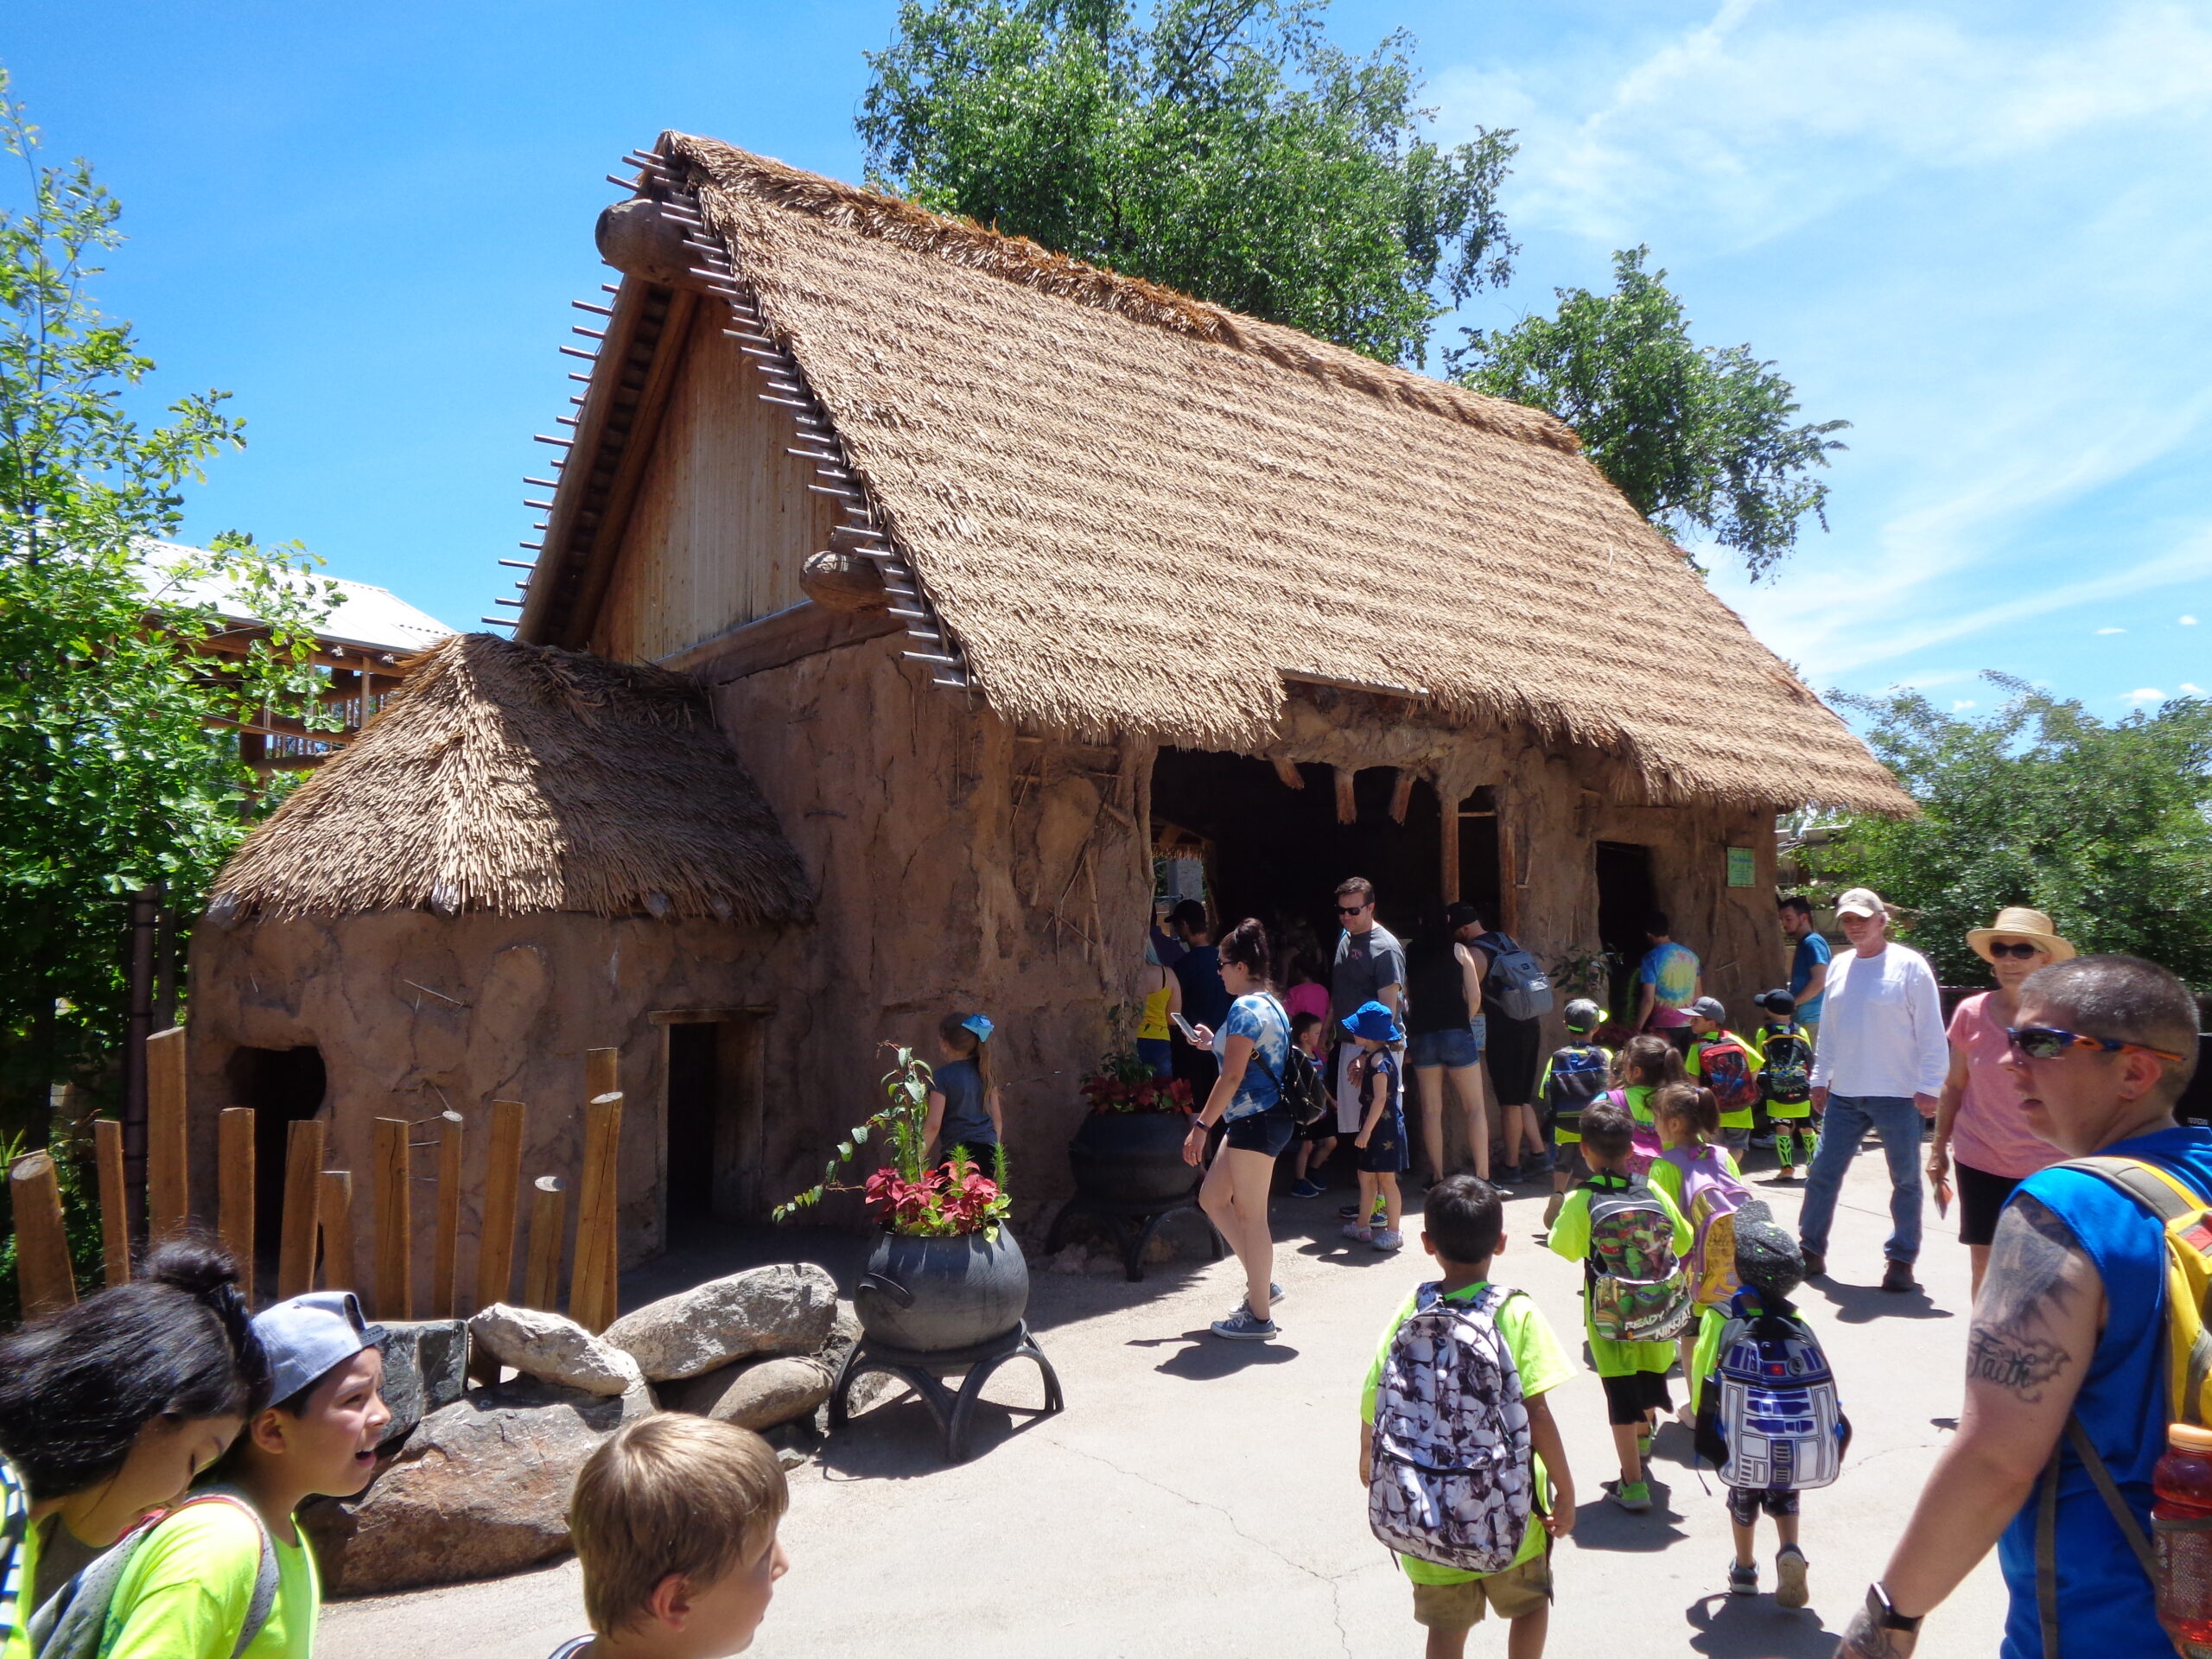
(1625, 898)
(713, 1120)
(284, 1086)
(1277, 852)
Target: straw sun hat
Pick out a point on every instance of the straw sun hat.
(2018, 922)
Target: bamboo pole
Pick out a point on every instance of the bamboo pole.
(234, 1189)
(548, 1204)
(335, 1220)
(47, 1281)
(115, 1201)
(302, 1207)
(445, 1269)
(394, 1263)
(495, 1239)
(169, 1200)
(592, 1289)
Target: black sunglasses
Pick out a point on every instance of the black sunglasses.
(2049, 1042)
(2023, 949)
(1350, 910)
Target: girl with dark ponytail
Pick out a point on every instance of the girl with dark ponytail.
(109, 1408)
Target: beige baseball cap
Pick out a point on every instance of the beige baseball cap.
(1861, 902)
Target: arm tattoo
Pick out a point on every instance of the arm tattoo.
(2029, 1282)
(1861, 1640)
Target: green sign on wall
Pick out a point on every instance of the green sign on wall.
(1743, 868)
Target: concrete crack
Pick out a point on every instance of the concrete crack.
(1335, 1581)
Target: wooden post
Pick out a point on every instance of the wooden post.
(302, 1208)
(395, 1271)
(592, 1286)
(603, 1073)
(335, 1220)
(1347, 798)
(115, 1201)
(234, 1189)
(1402, 794)
(495, 1239)
(1508, 878)
(1287, 770)
(445, 1266)
(548, 1207)
(48, 1283)
(1450, 839)
(168, 1199)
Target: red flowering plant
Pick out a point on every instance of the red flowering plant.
(913, 1199)
(1124, 1082)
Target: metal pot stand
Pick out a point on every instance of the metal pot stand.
(1134, 1221)
(924, 1372)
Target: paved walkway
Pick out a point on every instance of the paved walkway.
(1201, 1496)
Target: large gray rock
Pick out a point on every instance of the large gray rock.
(555, 1350)
(785, 1309)
(425, 1368)
(755, 1394)
(480, 1488)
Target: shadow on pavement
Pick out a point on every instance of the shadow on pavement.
(1602, 1524)
(1207, 1357)
(899, 1439)
(1863, 1304)
(1753, 1627)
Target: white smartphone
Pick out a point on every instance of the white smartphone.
(1189, 1032)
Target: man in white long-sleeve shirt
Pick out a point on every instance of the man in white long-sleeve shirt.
(1880, 1064)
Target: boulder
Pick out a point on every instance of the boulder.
(785, 1309)
(845, 1334)
(425, 1368)
(480, 1488)
(755, 1394)
(554, 1350)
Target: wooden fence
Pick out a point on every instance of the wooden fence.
(315, 1245)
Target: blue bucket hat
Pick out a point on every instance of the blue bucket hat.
(308, 1335)
(1373, 1021)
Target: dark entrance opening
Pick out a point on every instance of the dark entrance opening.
(1625, 898)
(1277, 853)
(1480, 884)
(713, 1120)
(284, 1086)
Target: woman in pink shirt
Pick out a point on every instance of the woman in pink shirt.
(1979, 1122)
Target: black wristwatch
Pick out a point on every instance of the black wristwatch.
(1883, 1612)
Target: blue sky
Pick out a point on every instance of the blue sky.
(1979, 232)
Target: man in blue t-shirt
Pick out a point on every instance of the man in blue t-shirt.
(1808, 962)
(2071, 1320)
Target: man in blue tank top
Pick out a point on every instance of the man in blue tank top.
(2071, 1320)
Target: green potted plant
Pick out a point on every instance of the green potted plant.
(1128, 1151)
(946, 1272)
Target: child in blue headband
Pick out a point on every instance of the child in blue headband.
(964, 1110)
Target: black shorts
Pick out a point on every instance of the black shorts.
(1981, 1196)
(1323, 1127)
(1628, 1398)
(1744, 1503)
(1513, 1055)
(1266, 1132)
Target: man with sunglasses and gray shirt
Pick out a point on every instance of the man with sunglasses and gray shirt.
(1880, 1064)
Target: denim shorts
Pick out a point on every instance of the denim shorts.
(1267, 1132)
(1456, 1045)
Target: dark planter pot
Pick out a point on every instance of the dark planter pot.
(929, 1294)
(1133, 1159)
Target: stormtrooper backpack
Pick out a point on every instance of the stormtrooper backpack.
(1452, 1480)
(1778, 1422)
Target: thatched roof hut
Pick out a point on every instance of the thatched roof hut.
(511, 778)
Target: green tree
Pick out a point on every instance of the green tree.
(2104, 826)
(110, 780)
(1223, 149)
(1699, 438)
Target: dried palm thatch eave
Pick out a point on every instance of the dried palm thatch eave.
(511, 780)
(1139, 513)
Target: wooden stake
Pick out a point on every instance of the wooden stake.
(1451, 846)
(1347, 802)
(48, 1283)
(592, 1287)
(445, 1269)
(115, 1201)
(395, 1268)
(548, 1207)
(336, 1187)
(603, 1073)
(302, 1208)
(1288, 771)
(495, 1240)
(1402, 794)
(169, 1200)
(234, 1189)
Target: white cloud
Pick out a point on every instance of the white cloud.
(2191, 690)
(2187, 621)
(2112, 630)
(1963, 705)
(2145, 694)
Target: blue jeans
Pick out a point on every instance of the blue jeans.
(1897, 1120)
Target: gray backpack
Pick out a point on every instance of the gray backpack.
(1517, 985)
(73, 1625)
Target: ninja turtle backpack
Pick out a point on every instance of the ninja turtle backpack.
(1638, 1291)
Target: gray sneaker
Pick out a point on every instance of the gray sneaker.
(1385, 1239)
(1241, 1326)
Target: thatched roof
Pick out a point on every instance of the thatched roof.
(514, 779)
(1138, 512)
